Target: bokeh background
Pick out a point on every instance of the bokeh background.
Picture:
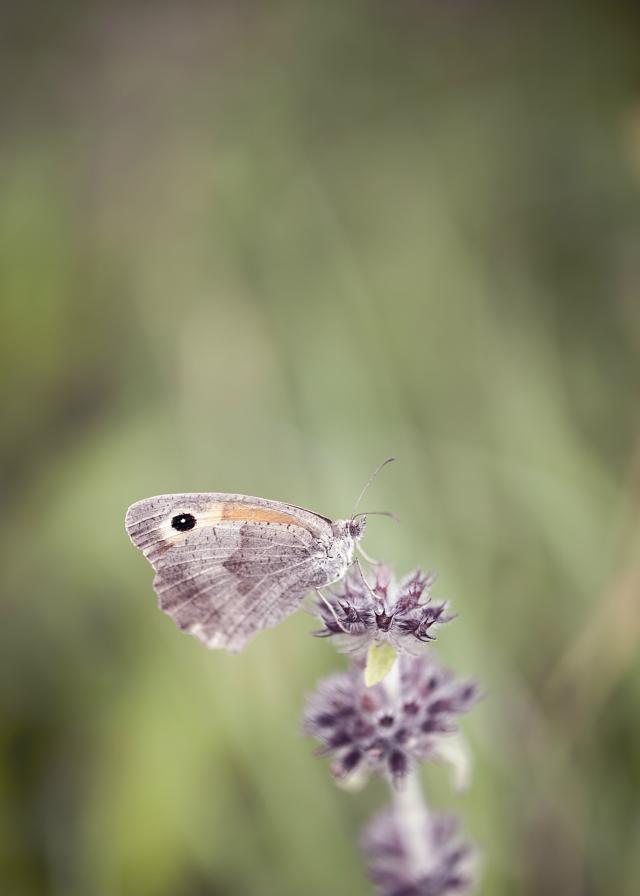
(259, 247)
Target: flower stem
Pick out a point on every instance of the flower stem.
(412, 813)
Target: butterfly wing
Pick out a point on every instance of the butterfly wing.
(229, 565)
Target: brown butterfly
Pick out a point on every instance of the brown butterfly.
(229, 565)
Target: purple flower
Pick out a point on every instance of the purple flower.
(401, 614)
(371, 729)
(445, 861)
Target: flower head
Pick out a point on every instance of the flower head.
(371, 729)
(400, 614)
(447, 867)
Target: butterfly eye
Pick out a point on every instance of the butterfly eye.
(183, 522)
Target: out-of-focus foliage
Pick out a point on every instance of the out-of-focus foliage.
(258, 247)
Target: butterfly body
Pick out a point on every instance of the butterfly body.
(228, 566)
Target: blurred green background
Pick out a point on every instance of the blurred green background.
(259, 247)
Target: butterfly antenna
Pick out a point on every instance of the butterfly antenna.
(368, 483)
(376, 513)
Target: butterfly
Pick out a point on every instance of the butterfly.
(227, 566)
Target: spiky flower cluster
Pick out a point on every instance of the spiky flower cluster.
(446, 860)
(405, 717)
(401, 614)
(367, 729)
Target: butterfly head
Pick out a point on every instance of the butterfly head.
(349, 531)
(356, 526)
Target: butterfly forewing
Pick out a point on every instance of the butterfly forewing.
(229, 565)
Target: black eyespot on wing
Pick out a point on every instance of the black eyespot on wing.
(183, 522)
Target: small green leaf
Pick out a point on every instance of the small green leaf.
(380, 660)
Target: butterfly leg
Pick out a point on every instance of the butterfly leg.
(356, 563)
(329, 606)
(367, 557)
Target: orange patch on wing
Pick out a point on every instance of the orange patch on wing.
(248, 513)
